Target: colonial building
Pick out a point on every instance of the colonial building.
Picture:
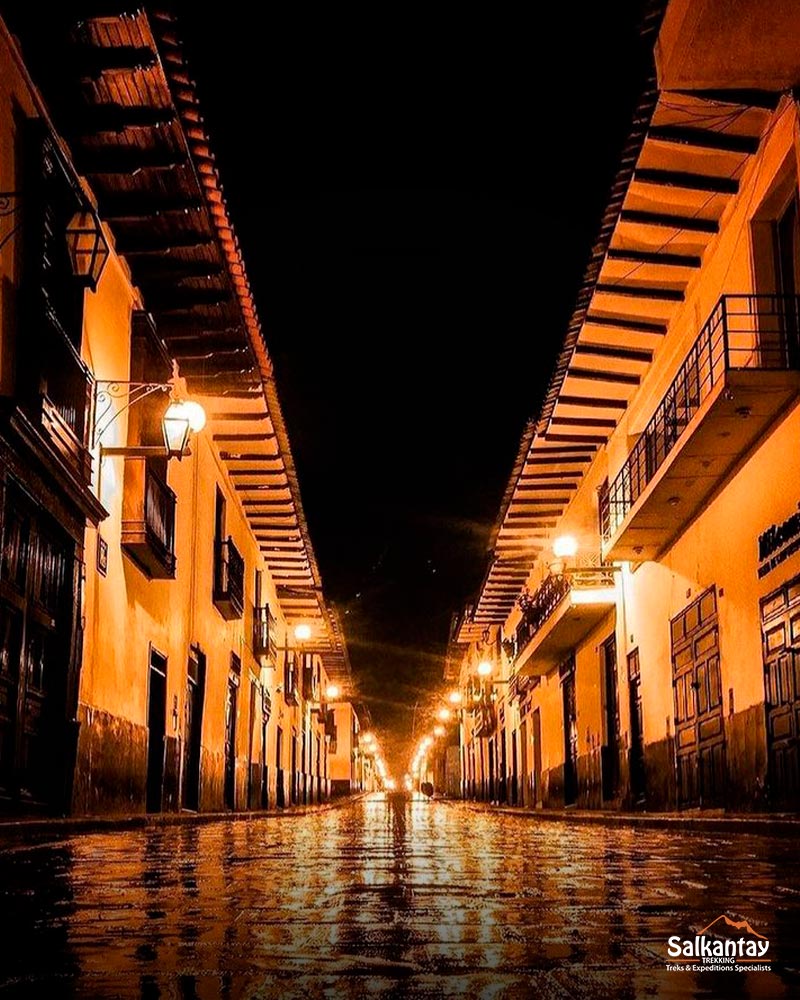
(640, 619)
(164, 640)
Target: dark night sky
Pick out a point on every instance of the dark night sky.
(416, 201)
(416, 196)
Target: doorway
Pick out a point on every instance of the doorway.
(37, 634)
(231, 698)
(570, 732)
(156, 729)
(787, 272)
(780, 623)
(636, 761)
(699, 731)
(525, 790)
(610, 749)
(536, 783)
(195, 698)
(280, 788)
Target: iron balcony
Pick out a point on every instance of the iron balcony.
(739, 377)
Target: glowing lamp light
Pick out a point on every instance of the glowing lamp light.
(332, 692)
(438, 731)
(484, 668)
(87, 248)
(565, 547)
(302, 632)
(454, 697)
(444, 714)
(175, 424)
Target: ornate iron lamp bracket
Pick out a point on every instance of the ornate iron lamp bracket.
(113, 398)
(10, 205)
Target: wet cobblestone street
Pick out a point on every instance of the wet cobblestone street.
(389, 898)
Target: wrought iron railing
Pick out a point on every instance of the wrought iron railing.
(264, 624)
(758, 332)
(229, 577)
(65, 399)
(540, 605)
(159, 516)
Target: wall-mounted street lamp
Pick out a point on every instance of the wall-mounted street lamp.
(87, 247)
(86, 243)
(181, 418)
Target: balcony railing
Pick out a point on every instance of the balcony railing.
(148, 521)
(744, 332)
(310, 692)
(582, 587)
(290, 693)
(65, 388)
(264, 633)
(228, 580)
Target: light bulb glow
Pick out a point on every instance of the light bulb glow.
(565, 547)
(484, 668)
(302, 632)
(332, 692)
(444, 714)
(438, 731)
(454, 697)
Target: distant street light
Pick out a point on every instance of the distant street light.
(484, 668)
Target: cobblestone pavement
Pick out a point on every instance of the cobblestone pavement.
(389, 898)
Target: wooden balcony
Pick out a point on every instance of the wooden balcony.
(228, 580)
(739, 377)
(148, 520)
(264, 625)
(290, 693)
(558, 617)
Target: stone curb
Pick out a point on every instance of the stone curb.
(16, 831)
(771, 826)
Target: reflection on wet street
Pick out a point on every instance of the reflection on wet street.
(388, 898)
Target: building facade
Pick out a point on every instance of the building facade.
(641, 612)
(164, 640)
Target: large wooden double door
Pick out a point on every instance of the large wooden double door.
(37, 582)
(697, 684)
(780, 623)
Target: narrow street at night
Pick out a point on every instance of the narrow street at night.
(389, 897)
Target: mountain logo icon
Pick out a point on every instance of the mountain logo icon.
(724, 927)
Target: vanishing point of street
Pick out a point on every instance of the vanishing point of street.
(386, 897)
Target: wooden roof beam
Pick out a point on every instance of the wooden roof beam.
(628, 324)
(689, 223)
(167, 243)
(662, 259)
(94, 60)
(641, 292)
(612, 351)
(596, 375)
(544, 487)
(583, 422)
(703, 138)
(743, 97)
(112, 117)
(593, 402)
(129, 160)
(232, 438)
(686, 181)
